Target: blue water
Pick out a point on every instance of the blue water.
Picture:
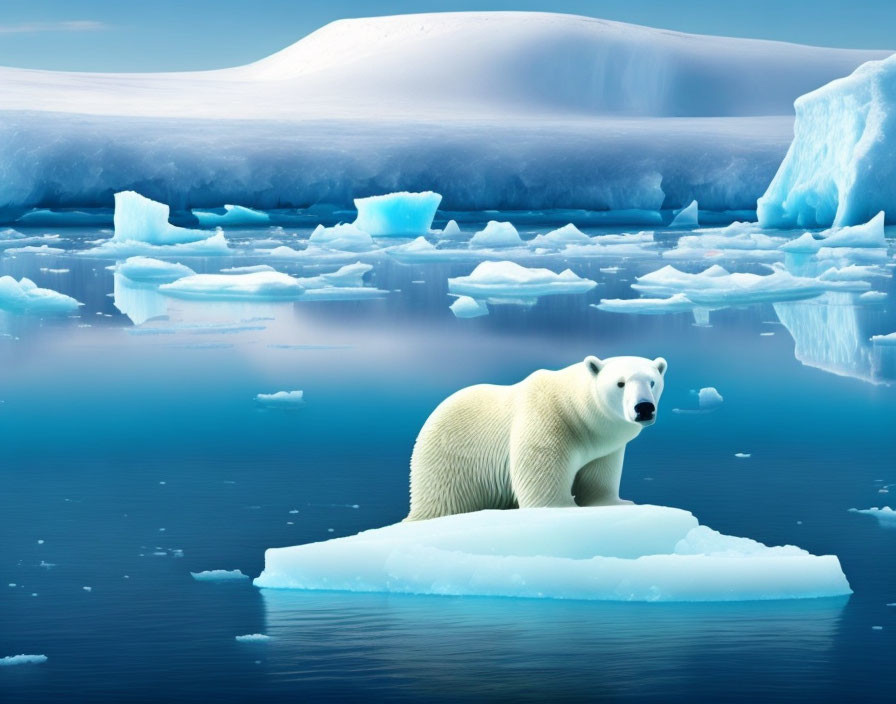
(119, 445)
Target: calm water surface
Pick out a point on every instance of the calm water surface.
(133, 455)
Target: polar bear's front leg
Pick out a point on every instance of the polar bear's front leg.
(597, 483)
(541, 474)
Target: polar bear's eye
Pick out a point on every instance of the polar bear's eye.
(620, 384)
(652, 384)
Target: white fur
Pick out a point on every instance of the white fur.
(557, 438)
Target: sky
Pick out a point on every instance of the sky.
(171, 35)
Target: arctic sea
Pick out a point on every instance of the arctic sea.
(135, 454)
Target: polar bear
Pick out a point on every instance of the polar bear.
(556, 438)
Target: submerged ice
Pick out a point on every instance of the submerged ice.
(618, 553)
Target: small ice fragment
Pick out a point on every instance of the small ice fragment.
(252, 638)
(497, 234)
(709, 398)
(87, 589)
(219, 575)
(686, 217)
(743, 455)
(40, 542)
(877, 628)
(281, 399)
(466, 307)
(766, 334)
(22, 660)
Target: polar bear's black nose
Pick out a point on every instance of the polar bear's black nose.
(644, 411)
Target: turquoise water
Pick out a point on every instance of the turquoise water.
(124, 441)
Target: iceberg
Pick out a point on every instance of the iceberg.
(497, 234)
(281, 399)
(888, 340)
(257, 286)
(508, 281)
(841, 167)
(219, 576)
(709, 398)
(139, 219)
(451, 231)
(10, 660)
(397, 214)
(466, 307)
(614, 553)
(886, 516)
(866, 235)
(149, 270)
(686, 217)
(345, 237)
(559, 238)
(233, 215)
(24, 297)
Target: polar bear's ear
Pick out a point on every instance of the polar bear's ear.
(661, 365)
(594, 364)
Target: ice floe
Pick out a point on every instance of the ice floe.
(466, 307)
(886, 516)
(617, 553)
(233, 215)
(281, 399)
(23, 659)
(25, 297)
(252, 638)
(497, 234)
(345, 237)
(219, 576)
(257, 286)
(508, 281)
(149, 270)
(559, 238)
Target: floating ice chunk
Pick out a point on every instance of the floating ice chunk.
(285, 252)
(10, 660)
(24, 297)
(497, 234)
(743, 455)
(350, 275)
(219, 576)
(139, 219)
(557, 239)
(451, 231)
(494, 281)
(466, 307)
(253, 269)
(257, 286)
(708, 398)
(281, 399)
(148, 270)
(616, 553)
(232, 215)
(715, 287)
(686, 217)
(873, 297)
(853, 272)
(346, 237)
(841, 167)
(678, 303)
(397, 214)
(889, 339)
(886, 516)
(42, 250)
(252, 638)
(211, 246)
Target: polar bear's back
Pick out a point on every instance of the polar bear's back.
(460, 459)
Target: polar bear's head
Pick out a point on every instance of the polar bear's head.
(628, 387)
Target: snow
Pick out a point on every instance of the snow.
(397, 214)
(841, 167)
(149, 270)
(252, 638)
(344, 237)
(507, 110)
(497, 234)
(281, 399)
(257, 286)
(617, 553)
(22, 660)
(219, 576)
(466, 307)
(686, 217)
(500, 281)
(24, 297)
(232, 215)
(886, 516)
(139, 219)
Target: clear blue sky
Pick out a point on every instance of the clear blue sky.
(162, 35)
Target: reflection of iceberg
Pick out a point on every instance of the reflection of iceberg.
(433, 645)
(831, 333)
(617, 553)
(139, 301)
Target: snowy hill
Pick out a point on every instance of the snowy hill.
(584, 112)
